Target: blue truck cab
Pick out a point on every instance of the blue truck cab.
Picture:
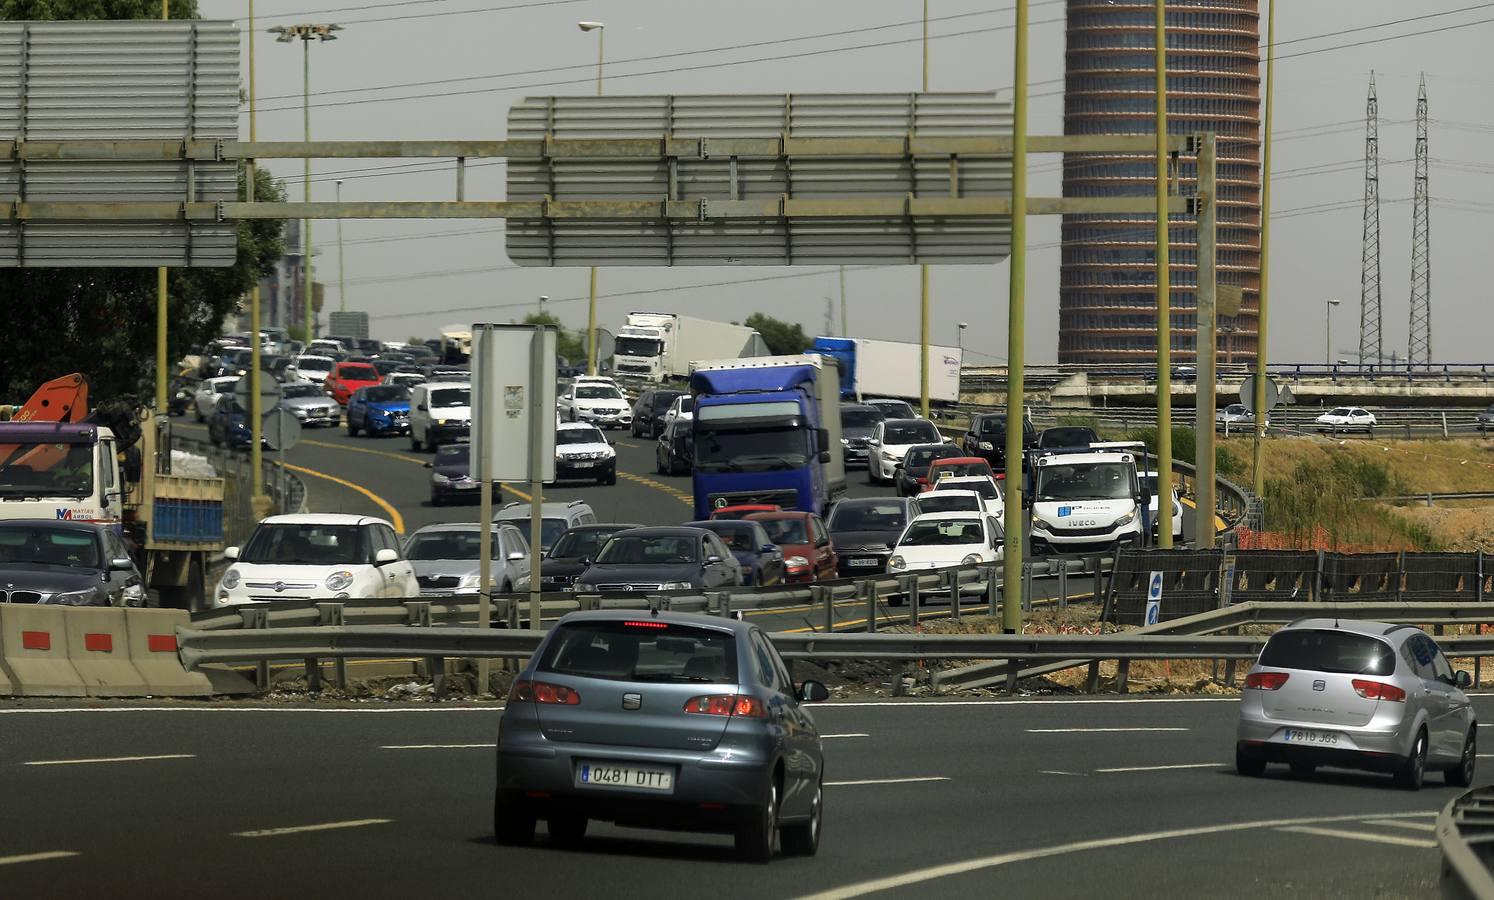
(767, 430)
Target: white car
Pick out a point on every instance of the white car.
(890, 442)
(583, 452)
(1237, 417)
(941, 540)
(1149, 482)
(988, 489)
(602, 405)
(682, 408)
(1346, 418)
(440, 413)
(318, 556)
(314, 368)
(209, 392)
(405, 379)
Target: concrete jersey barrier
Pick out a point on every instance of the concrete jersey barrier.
(33, 642)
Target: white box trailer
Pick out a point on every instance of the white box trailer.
(659, 347)
(890, 369)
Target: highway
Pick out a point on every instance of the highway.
(1032, 798)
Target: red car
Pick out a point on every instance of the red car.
(807, 553)
(347, 377)
(742, 511)
(956, 465)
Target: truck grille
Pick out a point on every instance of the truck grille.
(1083, 532)
(786, 499)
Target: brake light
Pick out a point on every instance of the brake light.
(543, 692)
(1378, 690)
(645, 624)
(1266, 681)
(743, 705)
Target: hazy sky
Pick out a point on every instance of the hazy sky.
(412, 276)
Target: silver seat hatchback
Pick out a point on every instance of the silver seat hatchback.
(661, 720)
(1357, 695)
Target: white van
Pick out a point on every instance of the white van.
(440, 413)
(1087, 501)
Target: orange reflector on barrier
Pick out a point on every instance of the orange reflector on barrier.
(36, 640)
(102, 643)
(161, 643)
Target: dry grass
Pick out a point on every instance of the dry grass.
(1415, 466)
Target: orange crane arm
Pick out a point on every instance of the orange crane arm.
(62, 399)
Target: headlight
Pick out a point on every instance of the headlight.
(1126, 519)
(75, 598)
(897, 562)
(889, 456)
(469, 581)
(230, 580)
(438, 478)
(299, 412)
(676, 586)
(846, 441)
(339, 580)
(972, 560)
(796, 562)
(441, 421)
(133, 594)
(583, 587)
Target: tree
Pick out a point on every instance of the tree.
(102, 322)
(568, 344)
(781, 337)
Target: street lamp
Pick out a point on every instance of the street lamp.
(543, 298)
(960, 337)
(306, 33)
(342, 290)
(1328, 335)
(591, 312)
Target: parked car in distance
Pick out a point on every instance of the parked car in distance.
(310, 404)
(556, 518)
(891, 440)
(582, 451)
(1486, 417)
(893, 409)
(864, 529)
(674, 451)
(742, 511)
(1346, 418)
(913, 474)
(648, 412)
(1235, 416)
(941, 540)
(573, 552)
(380, 410)
(664, 558)
(66, 563)
(1149, 484)
(446, 556)
(1358, 695)
(957, 466)
(807, 553)
(691, 690)
(857, 422)
(602, 405)
(440, 412)
(761, 559)
(986, 438)
(1063, 437)
(317, 556)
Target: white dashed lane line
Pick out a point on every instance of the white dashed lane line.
(301, 829)
(1095, 730)
(1368, 836)
(1158, 768)
(885, 781)
(854, 734)
(36, 857)
(437, 747)
(110, 759)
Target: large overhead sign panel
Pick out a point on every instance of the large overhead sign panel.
(113, 81)
(741, 181)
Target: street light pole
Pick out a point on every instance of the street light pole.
(923, 270)
(591, 312)
(161, 311)
(1328, 335)
(960, 339)
(342, 291)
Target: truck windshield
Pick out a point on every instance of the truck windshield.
(637, 346)
(1087, 481)
(46, 470)
(759, 450)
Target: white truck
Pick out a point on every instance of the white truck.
(870, 369)
(1088, 500)
(658, 347)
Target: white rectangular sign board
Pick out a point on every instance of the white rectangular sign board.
(513, 390)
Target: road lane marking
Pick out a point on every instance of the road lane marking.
(626, 444)
(1392, 823)
(1373, 838)
(111, 759)
(920, 876)
(1094, 730)
(1159, 768)
(249, 709)
(388, 455)
(918, 704)
(1059, 772)
(847, 735)
(437, 747)
(301, 829)
(885, 781)
(677, 494)
(36, 857)
(395, 519)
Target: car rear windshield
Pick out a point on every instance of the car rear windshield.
(1329, 651)
(641, 650)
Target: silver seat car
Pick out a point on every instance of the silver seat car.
(661, 720)
(1357, 695)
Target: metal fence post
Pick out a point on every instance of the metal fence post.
(331, 614)
(911, 591)
(870, 587)
(1063, 584)
(723, 604)
(418, 615)
(258, 618)
(994, 591)
(951, 577)
(1122, 675)
(1320, 582)
(1027, 587)
(822, 594)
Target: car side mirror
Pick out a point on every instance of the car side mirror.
(423, 408)
(230, 552)
(121, 564)
(823, 436)
(824, 456)
(767, 548)
(385, 557)
(1461, 679)
(813, 692)
(712, 560)
(518, 556)
(1026, 500)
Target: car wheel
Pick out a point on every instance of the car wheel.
(437, 500)
(803, 839)
(1303, 769)
(659, 467)
(1249, 764)
(415, 444)
(1462, 774)
(1413, 771)
(352, 429)
(511, 824)
(754, 838)
(567, 830)
(611, 478)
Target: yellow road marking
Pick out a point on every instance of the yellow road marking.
(395, 518)
(385, 453)
(626, 444)
(676, 493)
(1219, 524)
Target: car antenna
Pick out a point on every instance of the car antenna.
(654, 611)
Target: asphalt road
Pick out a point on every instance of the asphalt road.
(1062, 798)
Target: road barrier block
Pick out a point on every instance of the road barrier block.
(99, 648)
(34, 644)
(152, 645)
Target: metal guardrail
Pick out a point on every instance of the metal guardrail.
(1465, 835)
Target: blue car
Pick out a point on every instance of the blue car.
(228, 426)
(379, 410)
(761, 559)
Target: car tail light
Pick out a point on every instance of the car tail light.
(743, 705)
(1378, 690)
(1266, 681)
(543, 692)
